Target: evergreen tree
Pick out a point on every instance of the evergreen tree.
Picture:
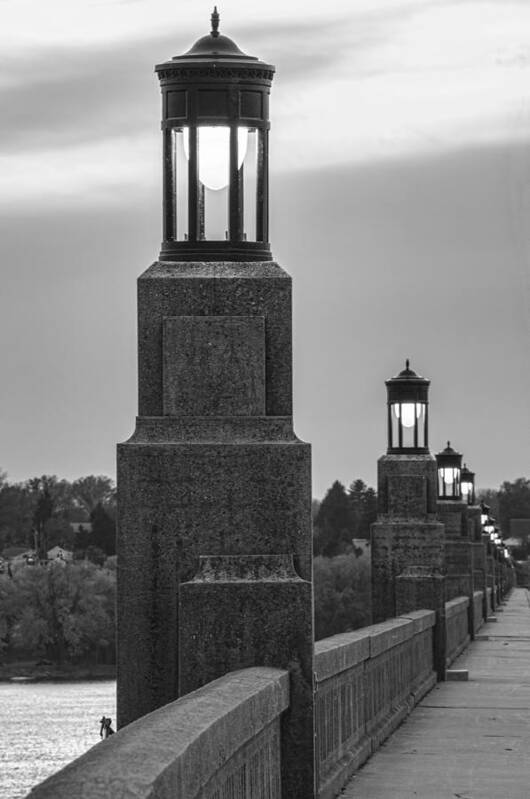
(103, 530)
(334, 523)
(514, 502)
(363, 503)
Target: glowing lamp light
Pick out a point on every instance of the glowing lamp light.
(467, 485)
(407, 412)
(448, 476)
(489, 527)
(215, 141)
(410, 411)
(214, 154)
(449, 470)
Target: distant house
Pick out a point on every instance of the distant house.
(363, 544)
(17, 555)
(10, 553)
(59, 553)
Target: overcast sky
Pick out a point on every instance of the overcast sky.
(400, 185)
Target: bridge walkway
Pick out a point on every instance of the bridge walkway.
(465, 740)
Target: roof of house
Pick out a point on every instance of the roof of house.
(54, 551)
(13, 552)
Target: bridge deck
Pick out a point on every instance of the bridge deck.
(469, 740)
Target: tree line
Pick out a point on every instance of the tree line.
(62, 612)
(45, 511)
(342, 587)
(66, 611)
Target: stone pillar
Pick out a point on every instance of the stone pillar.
(459, 526)
(408, 544)
(214, 498)
(479, 557)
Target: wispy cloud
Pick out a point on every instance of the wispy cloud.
(356, 81)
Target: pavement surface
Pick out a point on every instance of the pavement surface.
(465, 740)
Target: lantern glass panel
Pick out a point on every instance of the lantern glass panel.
(213, 142)
(449, 482)
(408, 424)
(467, 491)
(213, 213)
(249, 174)
(213, 160)
(181, 172)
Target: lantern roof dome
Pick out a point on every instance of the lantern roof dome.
(467, 474)
(408, 377)
(449, 450)
(214, 45)
(449, 457)
(407, 373)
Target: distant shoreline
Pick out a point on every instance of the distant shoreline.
(22, 673)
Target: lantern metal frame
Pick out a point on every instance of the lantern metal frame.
(449, 459)
(408, 388)
(214, 84)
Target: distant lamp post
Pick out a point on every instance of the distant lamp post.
(467, 485)
(408, 402)
(449, 470)
(489, 526)
(484, 513)
(215, 123)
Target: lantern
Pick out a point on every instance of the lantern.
(484, 513)
(449, 469)
(467, 485)
(215, 123)
(408, 401)
(489, 526)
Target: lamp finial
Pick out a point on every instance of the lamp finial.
(215, 23)
(407, 363)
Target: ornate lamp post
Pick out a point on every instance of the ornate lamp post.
(449, 469)
(467, 485)
(215, 124)
(408, 404)
(214, 488)
(408, 569)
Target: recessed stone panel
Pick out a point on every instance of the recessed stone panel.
(214, 366)
(407, 496)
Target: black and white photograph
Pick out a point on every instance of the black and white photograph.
(265, 399)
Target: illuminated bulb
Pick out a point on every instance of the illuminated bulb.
(447, 475)
(408, 409)
(213, 144)
(466, 488)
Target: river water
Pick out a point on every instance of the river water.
(43, 726)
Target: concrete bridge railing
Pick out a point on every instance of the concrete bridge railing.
(366, 683)
(220, 742)
(224, 741)
(457, 627)
(478, 615)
